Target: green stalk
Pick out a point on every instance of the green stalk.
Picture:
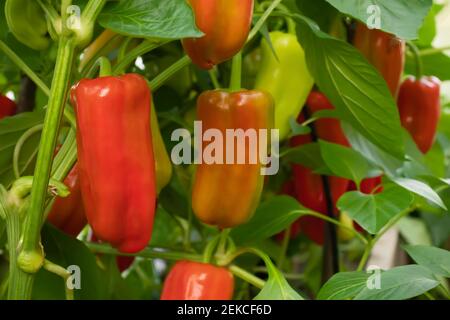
(236, 72)
(31, 256)
(148, 253)
(158, 81)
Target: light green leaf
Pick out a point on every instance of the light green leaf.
(343, 285)
(435, 259)
(373, 211)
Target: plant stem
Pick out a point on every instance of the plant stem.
(429, 52)
(262, 20)
(236, 72)
(150, 253)
(140, 50)
(284, 247)
(63, 273)
(58, 96)
(371, 243)
(419, 65)
(27, 134)
(68, 114)
(158, 81)
(247, 276)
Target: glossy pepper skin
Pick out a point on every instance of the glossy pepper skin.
(420, 109)
(308, 185)
(226, 195)
(225, 23)
(115, 158)
(7, 107)
(67, 214)
(385, 51)
(286, 79)
(198, 281)
(26, 20)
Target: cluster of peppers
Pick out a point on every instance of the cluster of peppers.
(121, 167)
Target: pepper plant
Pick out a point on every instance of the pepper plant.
(107, 192)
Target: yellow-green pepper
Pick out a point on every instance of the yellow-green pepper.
(286, 78)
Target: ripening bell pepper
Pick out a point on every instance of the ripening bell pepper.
(115, 158)
(163, 165)
(225, 23)
(7, 107)
(309, 185)
(285, 76)
(190, 280)
(225, 194)
(26, 21)
(385, 51)
(67, 214)
(420, 109)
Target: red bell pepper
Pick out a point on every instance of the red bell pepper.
(225, 23)
(198, 281)
(420, 109)
(308, 185)
(385, 51)
(115, 158)
(67, 214)
(7, 107)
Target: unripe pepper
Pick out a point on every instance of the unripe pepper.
(308, 185)
(225, 23)
(7, 107)
(420, 109)
(67, 214)
(225, 194)
(190, 280)
(385, 51)
(286, 78)
(26, 20)
(163, 165)
(115, 158)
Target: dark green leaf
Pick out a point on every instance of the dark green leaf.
(351, 164)
(356, 89)
(270, 218)
(168, 19)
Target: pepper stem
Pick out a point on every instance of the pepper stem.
(419, 64)
(236, 70)
(105, 67)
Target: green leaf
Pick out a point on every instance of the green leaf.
(414, 231)
(435, 259)
(343, 285)
(381, 158)
(168, 19)
(270, 218)
(351, 164)
(276, 287)
(401, 283)
(422, 189)
(320, 11)
(361, 97)
(373, 211)
(427, 32)
(11, 129)
(309, 156)
(67, 251)
(401, 17)
(166, 231)
(298, 129)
